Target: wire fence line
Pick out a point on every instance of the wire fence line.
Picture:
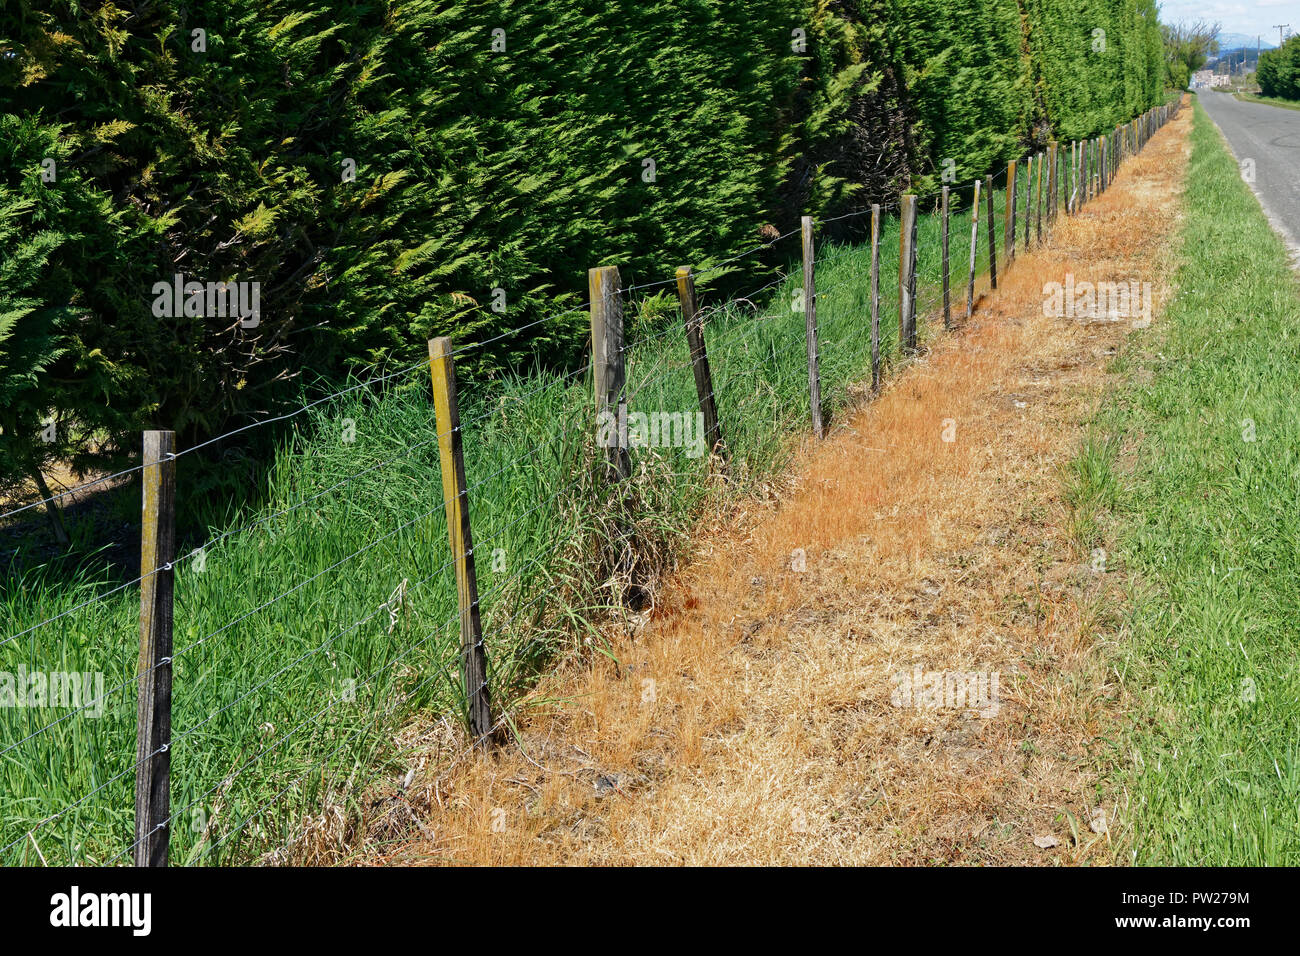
(855, 311)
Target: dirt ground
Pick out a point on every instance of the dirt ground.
(760, 715)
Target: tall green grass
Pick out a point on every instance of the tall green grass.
(1206, 521)
(322, 619)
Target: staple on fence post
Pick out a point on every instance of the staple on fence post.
(875, 294)
(1009, 225)
(944, 265)
(605, 288)
(700, 362)
(455, 494)
(154, 693)
(907, 274)
(810, 322)
(974, 243)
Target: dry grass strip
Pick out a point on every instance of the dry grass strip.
(750, 720)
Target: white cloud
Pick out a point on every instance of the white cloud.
(1251, 17)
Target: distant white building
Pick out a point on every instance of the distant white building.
(1208, 78)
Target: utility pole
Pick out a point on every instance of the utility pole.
(1281, 32)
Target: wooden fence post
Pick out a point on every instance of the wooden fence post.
(875, 295)
(700, 361)
(154, 668)
(810, 321)
(907, 273)
(1052, 190)
(473, 657)
(605, 288)
(1009, 215)
(1083, 173)
(1029, 196)
(1038, 201)
(943, 243)
(974, 243)
(1067, 171)
(1074, 177)
(993, 236)
(1096, 163)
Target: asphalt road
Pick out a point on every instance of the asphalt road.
(1269, 135)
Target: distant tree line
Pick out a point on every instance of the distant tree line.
(1279, 71)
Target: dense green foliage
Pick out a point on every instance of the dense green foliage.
(989, 78)
(505, 146)
(1188, 46)
(1279, 71)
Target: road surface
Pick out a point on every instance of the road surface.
(1270, 136)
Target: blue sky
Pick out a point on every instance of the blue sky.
(1252, 17)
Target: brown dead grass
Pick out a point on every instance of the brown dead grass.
(750, 720)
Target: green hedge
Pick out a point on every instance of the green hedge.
(1279, 71)
(496, 146)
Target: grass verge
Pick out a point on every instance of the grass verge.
(1268, 100)
(1197, 476)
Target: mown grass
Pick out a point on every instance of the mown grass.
(1267, 100)
(322, 619)
(1196, 471)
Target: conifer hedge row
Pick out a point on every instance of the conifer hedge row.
(380, 167)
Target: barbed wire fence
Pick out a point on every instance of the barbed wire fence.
(476, 646)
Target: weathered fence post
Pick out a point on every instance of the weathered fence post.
(455, 494)
(875, 295)
(943, 243)
(1096, 166)
(1076, 175)
(1009, 223)
(1029, 196)
(1052, 189)
(1067, 171)
(700, 361)
(907, 274)
(154, 669)
(993, 236)
(1038, 201)
(974, 243)
(605, 288)
(810, 320)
